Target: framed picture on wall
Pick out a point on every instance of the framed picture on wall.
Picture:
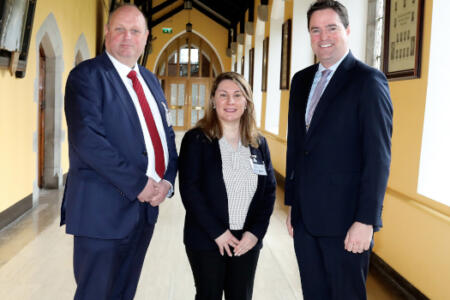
(403, 39)
(251, 59)
(16, 24)
(285, 55)
(265, 61)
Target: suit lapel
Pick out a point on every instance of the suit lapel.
(216, 165)
(340, 78)
(123, 97)
(153, 89)
(304, 95)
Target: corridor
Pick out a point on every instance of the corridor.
(36, 258)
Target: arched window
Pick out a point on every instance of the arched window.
(186, 70)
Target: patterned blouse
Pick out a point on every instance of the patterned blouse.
(240, 181)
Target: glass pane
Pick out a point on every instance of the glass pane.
(193, 117)
(173, 116)
(183, 70)
(180, 94)
(195, 70)
(180, 115)
(162, 69)
(194, 94)
(184, 54)
(201, 113)
(172, 68)
(205, 66)
(195, 66)
(194, 56)
(173, 94)
(202, 95)
(184, 58)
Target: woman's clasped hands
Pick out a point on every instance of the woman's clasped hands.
(227, 240)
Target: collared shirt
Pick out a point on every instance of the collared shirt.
(240, 181)
(317, 78)
(123, 71)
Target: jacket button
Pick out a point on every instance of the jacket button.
(306, 153)
(144, 153)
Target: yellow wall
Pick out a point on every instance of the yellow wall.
(206, 27)
(277, 143)
(18, 111)
(415, 239)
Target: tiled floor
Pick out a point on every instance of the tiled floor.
(36, 259)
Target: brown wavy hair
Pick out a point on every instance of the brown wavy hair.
(210, 123)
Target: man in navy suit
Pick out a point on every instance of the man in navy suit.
(338, 158)
(123, 161)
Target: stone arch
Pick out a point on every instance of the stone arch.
(81, 50)
(169, 42)
(49, 38)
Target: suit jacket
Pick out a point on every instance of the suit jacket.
(204, 195)
(337, 171)
(108, 159)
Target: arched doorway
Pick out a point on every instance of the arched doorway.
(48, 97)
(186, 69)
(81, 50)
(41, 116)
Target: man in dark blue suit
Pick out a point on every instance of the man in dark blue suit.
(338, 158)
(123, 161)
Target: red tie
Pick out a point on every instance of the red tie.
(154, 135)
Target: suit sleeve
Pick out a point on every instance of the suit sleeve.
(260, 221)
(87, 135)
(375, 115)
(191, 174)
(291, 144)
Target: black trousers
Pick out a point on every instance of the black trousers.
(327, 270)
(215, 274)
(110, 269)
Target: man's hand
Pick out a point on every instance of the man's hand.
(162, 189)
(149, 191)
(358, 238)
(247, 242)
(224, 241)
(288, 223)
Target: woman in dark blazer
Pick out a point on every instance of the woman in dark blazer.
(228, 187)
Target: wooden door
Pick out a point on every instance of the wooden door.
(176, 96)
(41, 125)
(199, 89)
(187, 98)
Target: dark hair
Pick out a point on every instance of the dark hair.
(210, 123)
(332, 4)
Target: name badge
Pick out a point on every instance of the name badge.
(258, 168)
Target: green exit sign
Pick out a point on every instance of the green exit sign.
(167, 30)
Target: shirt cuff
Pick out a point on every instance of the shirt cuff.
(170, 192)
